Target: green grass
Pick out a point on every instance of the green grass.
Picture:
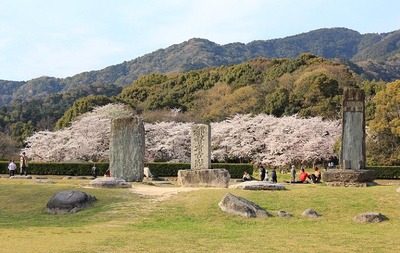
(122, 221)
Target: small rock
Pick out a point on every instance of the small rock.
(108, 182)
(44, 181)
(310, 213)
(284, 214)
(370, 217)
(41, 177)
(77, 177)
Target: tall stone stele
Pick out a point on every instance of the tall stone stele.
(352, 151)
(200, 155)
(127, 146)
(201, 174)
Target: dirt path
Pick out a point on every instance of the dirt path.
(159, 193)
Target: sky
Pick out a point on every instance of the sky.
(64, 38)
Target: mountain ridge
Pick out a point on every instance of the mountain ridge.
(376, 55)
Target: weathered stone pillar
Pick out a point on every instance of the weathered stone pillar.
(200, 147)
(127, 149)
(201, 174)
(352, 152)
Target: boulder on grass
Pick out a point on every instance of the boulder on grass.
(310, 213)
(107, 182)
(69, 202)
(369, 217)
(240, 206)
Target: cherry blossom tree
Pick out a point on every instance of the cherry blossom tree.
(259, 139)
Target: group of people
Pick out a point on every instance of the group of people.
(95, 172)
(303, 176)
(315, 177)
(23, 165)
(263, 174)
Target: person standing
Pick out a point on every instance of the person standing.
(23, 164)
(262, 173)
(274, 176)
(11, 168)
(94, 171)
(293, 173)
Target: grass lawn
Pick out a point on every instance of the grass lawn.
(122, 221)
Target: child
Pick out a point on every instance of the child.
(246, 176)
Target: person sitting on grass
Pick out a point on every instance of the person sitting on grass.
(316, 176)
(302, 177)
(246, 176)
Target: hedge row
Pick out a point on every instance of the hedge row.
(386, 172)
(171, 169)
(157, 169)
(48, 168)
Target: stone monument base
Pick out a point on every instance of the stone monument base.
(357, 178)
(107, 182)
(218, 178)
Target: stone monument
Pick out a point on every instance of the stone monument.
(352, 152)
(200, 173)
(200, 155)
(127, 146)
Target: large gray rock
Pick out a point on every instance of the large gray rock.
(107, 182)
(370, 217)
(218, 178)
(68, 202)
(240, 206)
(258, 185)
(127, 146)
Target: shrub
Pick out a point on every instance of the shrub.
(157, 169)
(386, 172)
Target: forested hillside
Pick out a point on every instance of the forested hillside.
(306, 85)
(375, 56)
(208, 82)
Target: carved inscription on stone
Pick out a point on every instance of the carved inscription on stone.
(201, 147)
(353, 106)
(127, 146)
(353, 130)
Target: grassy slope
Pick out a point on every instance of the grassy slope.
(121, 221)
